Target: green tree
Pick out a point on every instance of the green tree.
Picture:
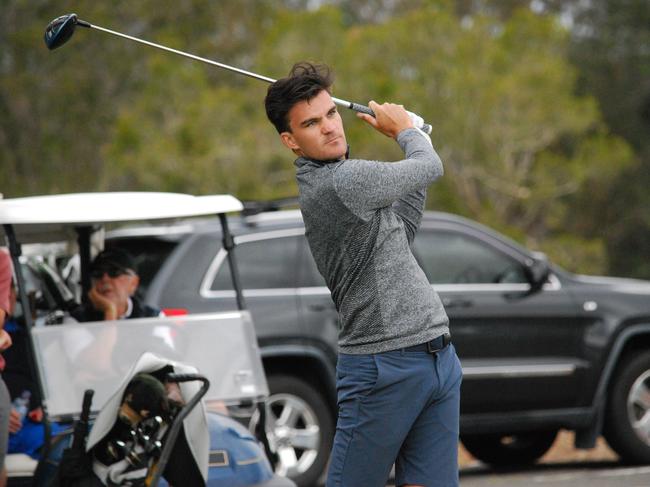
(57, 106)
(61, 109)
(520, 148)
(525, 146)
(610, 46)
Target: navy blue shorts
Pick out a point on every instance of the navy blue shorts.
(398, 407)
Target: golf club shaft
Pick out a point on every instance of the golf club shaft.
(184, 54)
(352, 106)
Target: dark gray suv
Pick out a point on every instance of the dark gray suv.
(542, 349)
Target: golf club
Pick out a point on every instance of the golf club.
(60, 30)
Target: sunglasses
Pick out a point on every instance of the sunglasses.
(111, 271)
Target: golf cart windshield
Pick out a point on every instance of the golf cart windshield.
(222, 346)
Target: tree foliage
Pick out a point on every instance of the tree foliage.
(525, 145)
(611, 47)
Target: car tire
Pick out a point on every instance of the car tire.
(628, 404)
(509, 450)
(300, 428)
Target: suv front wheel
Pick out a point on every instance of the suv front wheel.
(627, 417)
(300, 429)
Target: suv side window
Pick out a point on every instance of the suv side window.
(449, 257)
(262, 264)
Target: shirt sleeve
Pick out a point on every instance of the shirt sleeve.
(365, 186)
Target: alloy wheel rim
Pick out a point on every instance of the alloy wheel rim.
(638, 407)
(293, 432)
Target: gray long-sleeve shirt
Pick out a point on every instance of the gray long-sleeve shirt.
(360, 219)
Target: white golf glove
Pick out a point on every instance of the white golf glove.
(418, 122)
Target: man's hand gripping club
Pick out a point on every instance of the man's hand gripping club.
(390, 119)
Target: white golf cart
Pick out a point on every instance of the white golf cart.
(220, 347)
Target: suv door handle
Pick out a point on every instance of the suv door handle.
(456, 302)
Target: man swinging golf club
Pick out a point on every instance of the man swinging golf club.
(398, 376)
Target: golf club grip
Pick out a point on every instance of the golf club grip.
(361, 109)
(85, 406)
(426, 128)
(81, 427)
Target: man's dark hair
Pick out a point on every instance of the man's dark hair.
(305, 81)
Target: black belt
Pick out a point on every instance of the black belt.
(432, 346)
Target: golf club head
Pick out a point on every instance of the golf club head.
(60, 30)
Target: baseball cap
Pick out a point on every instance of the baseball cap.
(113, 261)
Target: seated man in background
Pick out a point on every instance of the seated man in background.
(114, 282)
(112, 295)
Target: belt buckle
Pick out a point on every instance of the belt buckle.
(430, 348)
(446, 338)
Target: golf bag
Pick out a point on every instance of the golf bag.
(142, 432)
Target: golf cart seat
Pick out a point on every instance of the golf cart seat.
(20, 465)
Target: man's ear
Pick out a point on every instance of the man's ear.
(133, 286)
(289, 141)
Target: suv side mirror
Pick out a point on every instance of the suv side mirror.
(537, 271)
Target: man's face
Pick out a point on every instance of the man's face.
(115, 284)
(316, 129)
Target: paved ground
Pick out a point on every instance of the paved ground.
(582, 474)
(569, 474)
(562, 466)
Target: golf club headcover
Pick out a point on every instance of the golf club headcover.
(144, 397)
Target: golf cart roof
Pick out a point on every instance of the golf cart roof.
(53, 217)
